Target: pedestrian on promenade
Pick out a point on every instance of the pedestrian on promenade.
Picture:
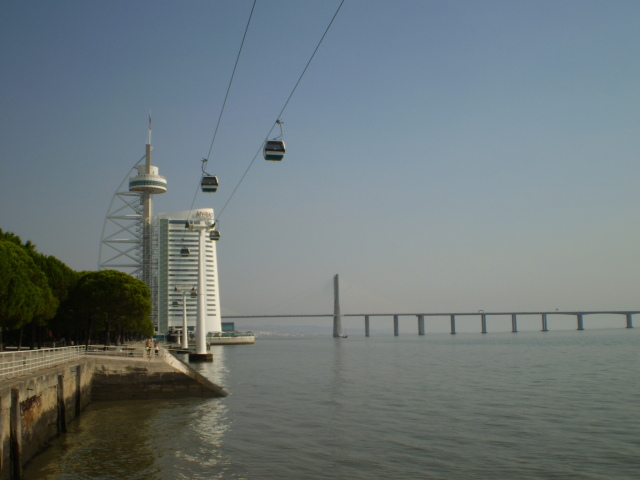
(157, 349)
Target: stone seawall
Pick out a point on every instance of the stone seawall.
(36, 408)
(118, 379)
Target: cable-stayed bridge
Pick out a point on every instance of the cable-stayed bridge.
(627, 320)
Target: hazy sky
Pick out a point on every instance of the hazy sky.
(441, 155)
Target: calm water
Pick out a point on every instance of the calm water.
(557, 405)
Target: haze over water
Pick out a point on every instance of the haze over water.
(530, 405)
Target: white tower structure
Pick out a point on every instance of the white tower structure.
(179, 256)
(148, 183)
(129, 234)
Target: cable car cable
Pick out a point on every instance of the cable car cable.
(283, 109)
(224, 103)
(231, 80)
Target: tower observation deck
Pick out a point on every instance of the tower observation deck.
(148, 183)
(129, 235)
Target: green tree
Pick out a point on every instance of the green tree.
(109, 301)
(24, 290)
(61, 280)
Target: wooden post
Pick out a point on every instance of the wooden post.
(78, 390)
(62, 409)
(15, 436)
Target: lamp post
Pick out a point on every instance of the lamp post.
(202, 225)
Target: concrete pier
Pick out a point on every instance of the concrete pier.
(420, 324)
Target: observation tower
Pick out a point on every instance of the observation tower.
(148, 183)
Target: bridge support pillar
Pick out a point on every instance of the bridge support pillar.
(580, 322)
(366, 325)
(544, 323)
(420, 324)
(453, 324)
(484, 323)
(629, 321)
(396, 326)
(514, 323)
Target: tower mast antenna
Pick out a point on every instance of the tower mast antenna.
(149, 133)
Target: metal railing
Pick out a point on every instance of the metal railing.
(127, 351)
(21, 362)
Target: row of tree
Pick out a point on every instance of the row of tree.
(42, 296)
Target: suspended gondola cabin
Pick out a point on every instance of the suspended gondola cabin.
(209, 183)
(214, 235)
(184, 252)
(274, 150)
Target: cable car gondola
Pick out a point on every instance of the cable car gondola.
(184, 252)
(209, 183)
(274, 149)
(214, 235)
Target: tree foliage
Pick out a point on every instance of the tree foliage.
(112, 302)
(42, 291)
(24, 290)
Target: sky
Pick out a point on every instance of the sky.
(441, 155)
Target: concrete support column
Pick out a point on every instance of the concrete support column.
(580, 322)
(629, 321)
(201, 354)
(544, 323)
(484, 323)
(366, 325)
(514, 323)
(453, 324)
(420, 324)
(396, 326)
(185, 328)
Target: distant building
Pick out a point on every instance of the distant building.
(178, 271)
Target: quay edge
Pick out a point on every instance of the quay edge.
(35, 408)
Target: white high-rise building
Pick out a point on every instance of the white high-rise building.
(178, 271)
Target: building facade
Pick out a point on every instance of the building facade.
(178, 252)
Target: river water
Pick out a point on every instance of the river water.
(555, 405)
